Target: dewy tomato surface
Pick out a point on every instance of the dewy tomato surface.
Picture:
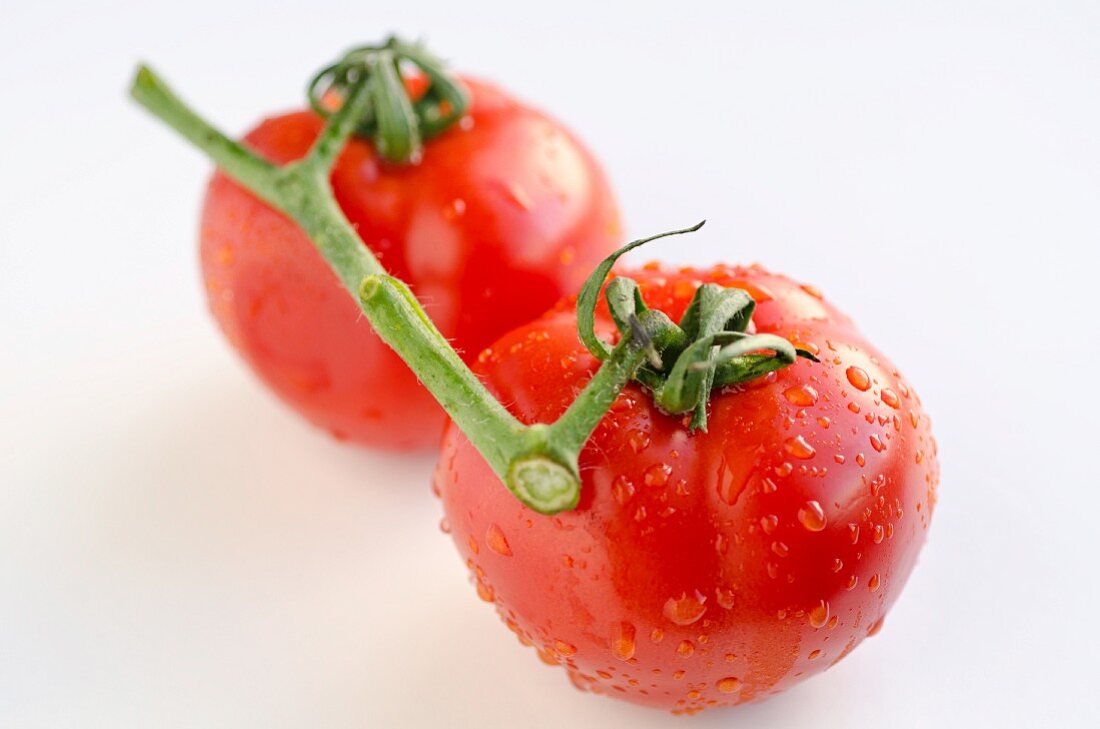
(504, 214)
(709, 568)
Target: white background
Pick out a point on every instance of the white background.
(178, 550)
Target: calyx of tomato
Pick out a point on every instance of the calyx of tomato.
(709, 348)
(394, 121)
(680, 364)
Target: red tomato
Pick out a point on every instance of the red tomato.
(503, 215)
(710, 568)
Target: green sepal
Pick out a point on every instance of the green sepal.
(443, 89)
(740, 361)
(397, 134)
(589, 294)
(716, 308)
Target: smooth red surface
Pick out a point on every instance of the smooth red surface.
(710, 568)
(503, 216)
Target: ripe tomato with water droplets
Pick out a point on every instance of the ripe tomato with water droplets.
(751, 563)
(504, 214)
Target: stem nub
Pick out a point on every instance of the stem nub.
(543, 484)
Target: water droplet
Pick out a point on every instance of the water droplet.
(814, 655)
(473, 545)
(444, 526)
(799, 448)
(877, 483)
(678, 675)
(852, 582)
(875, 627)
(838, 564)
(494, 537)
(877, 443)
(622, 640)
(728, 685)
(682, 289)
(566, 649)
(783, 470)
(861, 459)
(859, 378)
(839, 458)
(780, 549)
(853, 532)
(685, 609)
(801, 395)
(519, 196)
(566, 561)
(878, 533)
(547, 656)
(872, 584)
(638, 439)
(812, 516)
(455, 209)
(657, 474)
(686, 648)
(890, 398)
(725, 597)
(769, 523)
(819, 614)
(657, 635)
(485, 592)
(622, 489)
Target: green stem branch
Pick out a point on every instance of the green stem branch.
(232, 157)
(576, 424)
(538, 462)
(399, 319)
(340, 126)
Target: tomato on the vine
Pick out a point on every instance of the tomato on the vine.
(504, 214)
(703, 514)
(704, 568)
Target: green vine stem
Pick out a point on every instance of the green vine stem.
(679, 364)
(538, 463)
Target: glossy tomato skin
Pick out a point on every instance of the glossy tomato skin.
(705, 569)
(503, 215)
